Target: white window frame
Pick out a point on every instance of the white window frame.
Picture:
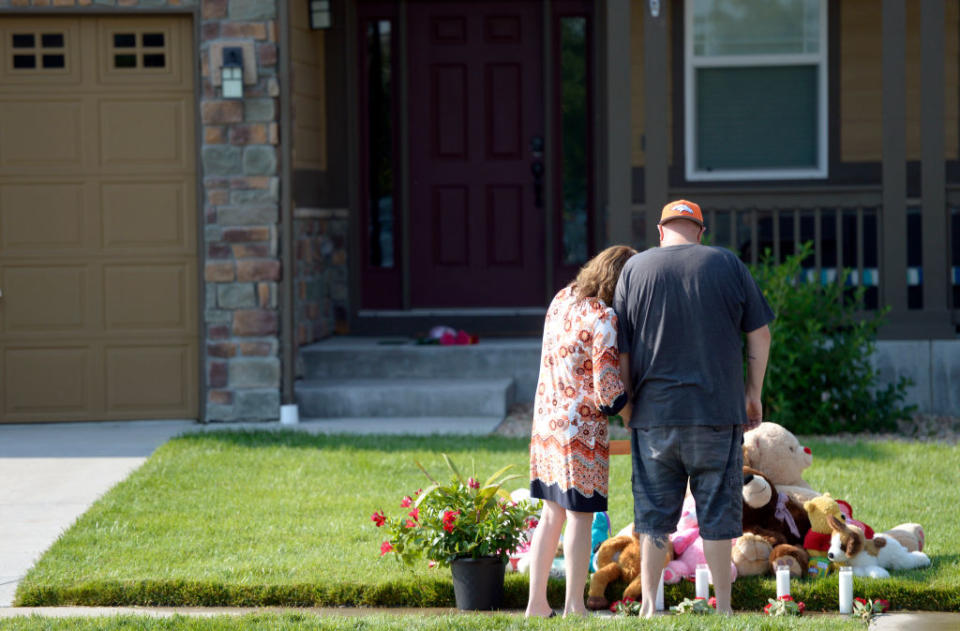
(727, 61)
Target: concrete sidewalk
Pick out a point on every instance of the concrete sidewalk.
(50, 474)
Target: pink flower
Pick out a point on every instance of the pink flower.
(432, 564)
(410, 524)
(406, 501)
(449, 519)
(378, 518)
(415, 513)
(627, 600)
(882, 604)
(473, 484)
(860, 600)
(613, 607)
(786, 597)
(419, 491)
(699, 598)
(532, 522)
(801, 607)
(712, 601)
(385, 547)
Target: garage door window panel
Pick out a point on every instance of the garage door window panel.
(38, 51)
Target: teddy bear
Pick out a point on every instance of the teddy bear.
(688, 553)
(751, 554)
(617, 558)
(774, 450)
(819, 510)
(779, 519)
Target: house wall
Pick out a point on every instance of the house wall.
(321, 275)
(637, 11)
(239, 195)
(861, 81)
(309, 103)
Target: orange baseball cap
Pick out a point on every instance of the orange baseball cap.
(681, 209)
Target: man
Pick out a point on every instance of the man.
(682, 309)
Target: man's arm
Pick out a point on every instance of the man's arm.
(627, 410)
(758, 350)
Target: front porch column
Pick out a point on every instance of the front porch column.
(655, 73)
(618, 127)
(936, 252)
(893, 219)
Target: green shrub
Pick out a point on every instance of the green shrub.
(820, 379)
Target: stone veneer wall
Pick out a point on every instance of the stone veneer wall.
(321, 275)
(239, 188)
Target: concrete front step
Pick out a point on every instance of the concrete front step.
(375, 358)
(404, 397)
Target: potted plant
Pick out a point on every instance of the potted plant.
(468, 525)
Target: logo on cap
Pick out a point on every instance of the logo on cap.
(683, 208)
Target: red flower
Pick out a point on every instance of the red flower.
(712, 601)
(385, 547)
(882, 604)
(473, 484)
(378, 518)
(699, 598)
(801, 607)
(766, 609)
(627, 599)
(410, 524)
(860, 600)
(613, 607)
(786, 597)
(532, 523)
(432, 564)
(406, 501)
(449, 519)
(415, 513)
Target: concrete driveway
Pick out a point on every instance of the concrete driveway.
(51, 473)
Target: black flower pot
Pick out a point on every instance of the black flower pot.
(478, 583)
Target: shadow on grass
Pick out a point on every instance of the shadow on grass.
(354, 442)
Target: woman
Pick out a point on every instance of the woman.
(579, 387)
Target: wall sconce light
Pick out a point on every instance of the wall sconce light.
(320, 17)
(231, 73)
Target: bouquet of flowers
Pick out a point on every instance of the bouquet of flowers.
(784, 606)
(457, 518)
(867, 609)
(698, 605)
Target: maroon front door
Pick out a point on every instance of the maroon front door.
(475, 103)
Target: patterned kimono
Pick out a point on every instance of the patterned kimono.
(579, 386)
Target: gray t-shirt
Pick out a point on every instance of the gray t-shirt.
(681, 312)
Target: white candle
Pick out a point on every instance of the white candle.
(703, 581)
(846, 590)
(783, 581)
(660, 594)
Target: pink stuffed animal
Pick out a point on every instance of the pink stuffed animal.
(688, 553)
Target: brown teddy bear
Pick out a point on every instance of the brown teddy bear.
(778, 519)
(774, 450)
(617, 558)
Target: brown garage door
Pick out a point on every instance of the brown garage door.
(98, 254)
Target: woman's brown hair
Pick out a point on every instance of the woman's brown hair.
(598, 278)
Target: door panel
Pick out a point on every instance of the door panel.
(476, 84)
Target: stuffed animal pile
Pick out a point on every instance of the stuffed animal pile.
(785, 522)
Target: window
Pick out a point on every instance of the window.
(151, 52)
(38, 51)
(756, 89)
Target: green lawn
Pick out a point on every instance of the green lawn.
(283, 518)
(467, 622)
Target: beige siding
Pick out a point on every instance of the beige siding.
(637, 9)
(309, 100)
(861, 81)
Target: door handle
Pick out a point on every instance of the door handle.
(536, 168)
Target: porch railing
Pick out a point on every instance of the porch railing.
(846, 228)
